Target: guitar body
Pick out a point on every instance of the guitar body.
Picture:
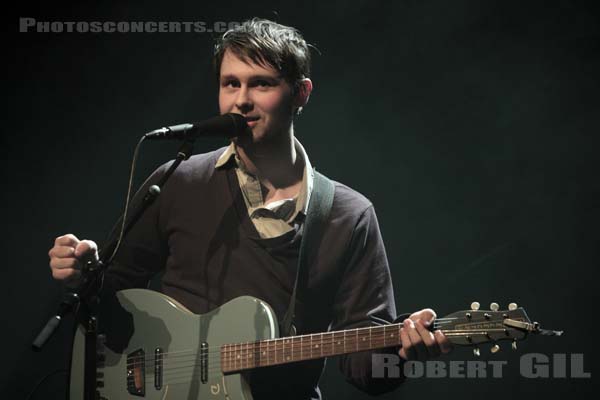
(152, 347)
(182, 349)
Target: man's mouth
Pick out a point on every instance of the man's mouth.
(251, 121)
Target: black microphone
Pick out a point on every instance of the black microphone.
(228, 125)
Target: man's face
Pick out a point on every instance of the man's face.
(257, 92)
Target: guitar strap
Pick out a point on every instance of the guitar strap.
(319, 207)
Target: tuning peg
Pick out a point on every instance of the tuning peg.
(494, 307)
(474, 306)
(495, 348)
(512, 306)
(476, 351)
(514, 345)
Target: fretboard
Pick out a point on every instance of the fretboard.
(242, 356)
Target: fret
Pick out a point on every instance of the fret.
(233, 355)
(272, 349)
(328, 344)
(272, 346)
(362, 338)
(263, 354)
(297, 348)
(241, 356)
(279, 348)
(253, 355)
(224, 359)
(248, 355)
(321, 344)
(394, 336)
(338, 346)
(267, 352)
(386, 334)
(285, 348)
(317, 349)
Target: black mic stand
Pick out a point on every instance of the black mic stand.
(82, 300)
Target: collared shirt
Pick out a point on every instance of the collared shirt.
(275, 218)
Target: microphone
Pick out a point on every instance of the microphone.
(228, 125)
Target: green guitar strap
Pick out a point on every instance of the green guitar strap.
(319, 206)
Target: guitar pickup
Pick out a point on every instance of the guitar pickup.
(158, 368)
(136, 373)
(204, 362)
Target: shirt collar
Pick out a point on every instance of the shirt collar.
(303, 198)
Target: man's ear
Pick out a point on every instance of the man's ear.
(303, 91)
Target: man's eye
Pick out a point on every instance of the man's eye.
(262, 83)
(230, 83)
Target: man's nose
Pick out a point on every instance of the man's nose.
(243, 102)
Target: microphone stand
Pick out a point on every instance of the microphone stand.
(81, 301)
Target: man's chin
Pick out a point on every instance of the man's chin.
(254, 136)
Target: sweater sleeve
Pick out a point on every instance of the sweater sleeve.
(143, 251)
(365, 298)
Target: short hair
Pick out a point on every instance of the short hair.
(267, 43)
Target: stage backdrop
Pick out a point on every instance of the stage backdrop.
(472, 127)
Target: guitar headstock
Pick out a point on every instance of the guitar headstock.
(473, 327)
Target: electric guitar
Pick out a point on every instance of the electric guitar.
(167, 352)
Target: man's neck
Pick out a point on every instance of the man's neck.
(276, 164)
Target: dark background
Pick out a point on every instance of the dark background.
(470, 125)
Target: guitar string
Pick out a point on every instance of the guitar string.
(278, 359)
(218, 348)
(269, 344)
(172, 373)
(272, 345)
(178, 374)
(270, 348)
(171, 363)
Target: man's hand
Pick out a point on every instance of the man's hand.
(418, 342)
(67, 257)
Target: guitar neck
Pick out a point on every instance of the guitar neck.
(467, 328)
(243, 356)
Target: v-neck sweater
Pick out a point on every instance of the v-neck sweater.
(199, 235)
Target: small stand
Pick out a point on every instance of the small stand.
(82, 301)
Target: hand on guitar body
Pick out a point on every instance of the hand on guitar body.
(418, 341)
(67, 257)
